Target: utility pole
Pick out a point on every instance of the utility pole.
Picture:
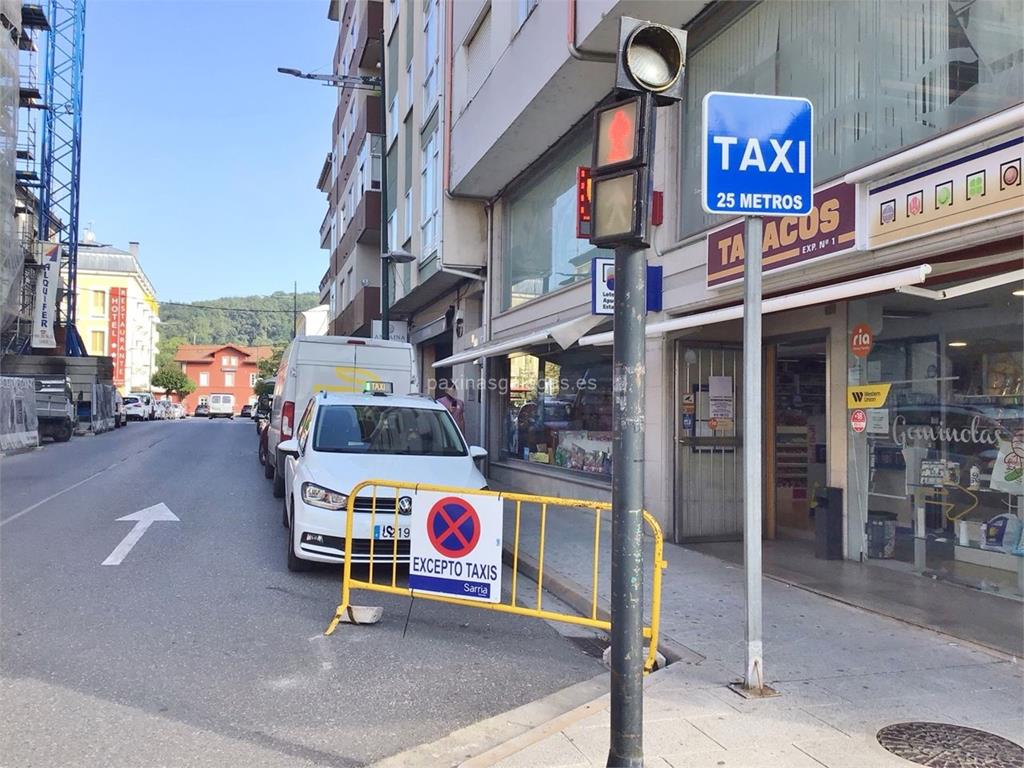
(295, 307)
(649, 72)
(368, 82)
(628, 375)
(385, 263)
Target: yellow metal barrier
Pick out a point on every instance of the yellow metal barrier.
(346, 611)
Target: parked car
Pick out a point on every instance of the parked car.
(247, 411)
(342, 440)
(222, 406)
(134, 408)
(178, 410)
(148, 404)
(312, 364)
(201, 410)
(161, 409)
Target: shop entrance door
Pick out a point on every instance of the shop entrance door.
(709, 452)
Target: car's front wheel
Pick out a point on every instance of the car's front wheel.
(295, 564)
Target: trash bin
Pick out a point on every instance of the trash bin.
(881, 530)
(828, 524)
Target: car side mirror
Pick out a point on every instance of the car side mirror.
(289, 447)
(476, 452)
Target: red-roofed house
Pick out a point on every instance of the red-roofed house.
(221, 369)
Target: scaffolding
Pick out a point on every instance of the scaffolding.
(61, 153)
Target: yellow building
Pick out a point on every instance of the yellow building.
(117, 312)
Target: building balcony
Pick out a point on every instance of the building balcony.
(356, 316)
(325, 229)
(368, 37)
(366, 220)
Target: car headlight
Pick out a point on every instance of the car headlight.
(318, 496)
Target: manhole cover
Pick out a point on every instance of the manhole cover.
(941, 745)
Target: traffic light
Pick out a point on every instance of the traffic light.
(651, 59)
(649, 73)
(620, 183)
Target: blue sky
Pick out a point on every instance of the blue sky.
(196, 147)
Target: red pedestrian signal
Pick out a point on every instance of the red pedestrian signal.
(618, 133)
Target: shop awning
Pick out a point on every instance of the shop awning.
(863, 287)
(563, 334)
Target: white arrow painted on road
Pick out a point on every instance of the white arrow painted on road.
(144, 518)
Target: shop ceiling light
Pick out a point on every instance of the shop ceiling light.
(958, 344)
(1019, 292)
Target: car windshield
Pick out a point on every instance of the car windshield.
(398, 430)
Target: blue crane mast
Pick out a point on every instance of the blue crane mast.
(60, 166)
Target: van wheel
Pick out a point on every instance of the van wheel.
(268, 467)
(278, 484)
(295, 564)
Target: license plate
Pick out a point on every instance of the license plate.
(388, 532)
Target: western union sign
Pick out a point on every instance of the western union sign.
(867, 395)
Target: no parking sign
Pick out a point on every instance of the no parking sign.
(455, 547)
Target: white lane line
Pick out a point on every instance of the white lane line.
(72, 487)
(53, 496)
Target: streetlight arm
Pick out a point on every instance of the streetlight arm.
(336, 80)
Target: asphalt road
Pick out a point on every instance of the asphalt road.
(200, 648)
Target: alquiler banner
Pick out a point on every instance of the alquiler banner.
(47, 288)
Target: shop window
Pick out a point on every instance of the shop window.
(558, 410)
(543, 253)
(937, 458)
(880, 80)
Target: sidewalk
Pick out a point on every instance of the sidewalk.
(842, 672)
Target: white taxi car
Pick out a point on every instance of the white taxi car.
(344, 439)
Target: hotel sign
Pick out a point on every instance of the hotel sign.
(982, 184)
(116, 332)
(829, 229)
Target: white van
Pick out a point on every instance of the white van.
(222, 405)
(314, 364)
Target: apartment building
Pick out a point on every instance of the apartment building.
(118, 312)
(351, 175)
(437, 298)
(225, 369)
(915, 234)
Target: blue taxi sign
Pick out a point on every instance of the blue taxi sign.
(756, 155)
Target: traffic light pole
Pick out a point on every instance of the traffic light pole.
(627, 651)
(753, 679)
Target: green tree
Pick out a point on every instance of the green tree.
(173, 379)
(268, 366)
(166, 349)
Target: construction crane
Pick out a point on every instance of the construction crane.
(61, 155)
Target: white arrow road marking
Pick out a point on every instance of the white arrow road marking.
(144, 518)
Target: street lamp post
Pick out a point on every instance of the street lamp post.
(369, 82)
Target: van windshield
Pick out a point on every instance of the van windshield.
(400, 431)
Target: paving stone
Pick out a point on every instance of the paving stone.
(553, 752)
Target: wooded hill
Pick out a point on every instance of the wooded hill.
(248, 320)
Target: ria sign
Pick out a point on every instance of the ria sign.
(756, 155)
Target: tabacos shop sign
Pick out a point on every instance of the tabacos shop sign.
(829, 229)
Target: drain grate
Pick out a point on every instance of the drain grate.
(942, 745)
